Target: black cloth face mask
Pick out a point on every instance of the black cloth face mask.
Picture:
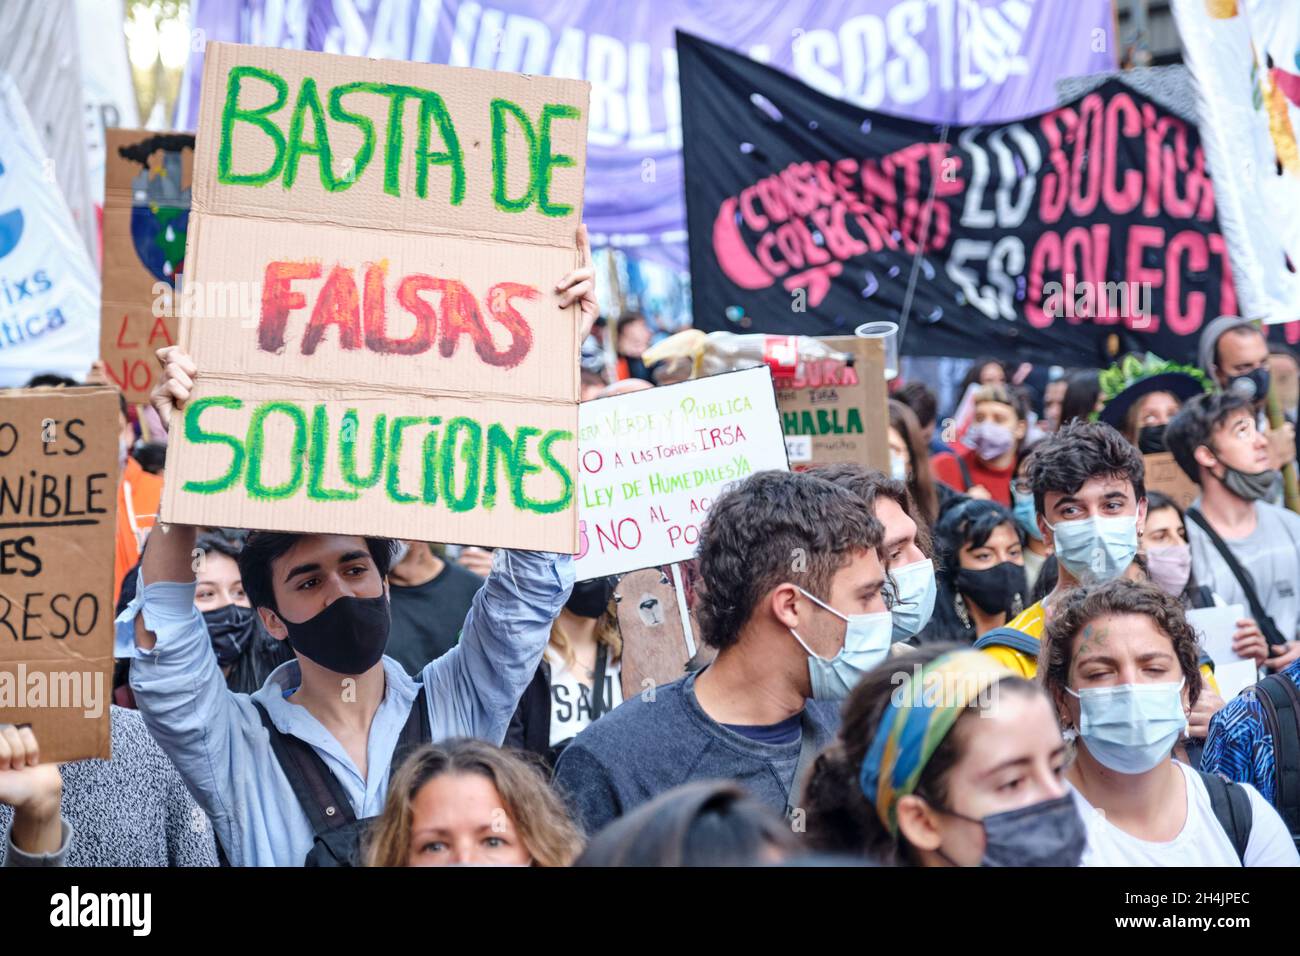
(993, 589)
(591, 598)
(231, 629)
(1253, 385)
(1151, 439)
(348, 637)
(1050, 833)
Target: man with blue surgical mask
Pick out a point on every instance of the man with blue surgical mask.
(792, 599)
(1090, 505)
(906, 550)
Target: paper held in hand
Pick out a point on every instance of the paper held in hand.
(653, 462)
(401, 366)
(1214, 628)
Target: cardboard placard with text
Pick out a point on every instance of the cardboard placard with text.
(655, 650)
(836, 413)
(147, 180)
(58, 504)
(651, 464)
(370, 300)
(1164, 475)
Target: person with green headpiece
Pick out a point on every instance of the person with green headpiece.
(1143, 395)
(945, 758)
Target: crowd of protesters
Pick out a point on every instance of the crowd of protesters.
(329, 699)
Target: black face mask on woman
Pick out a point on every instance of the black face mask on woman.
(1151, 439)
(591, 598)
(1050, 833)
(348, 637)
(231, 630)
(993, 589)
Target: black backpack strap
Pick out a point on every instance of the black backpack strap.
(1271, 632)
(415, 731)
(965, 472)
(1009, 637)
(1231, 806)
(1281, 704)
(318, 791)
(598, 681)
(1200, 596)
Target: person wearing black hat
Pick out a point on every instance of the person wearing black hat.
(578, 679)
(1142, 397)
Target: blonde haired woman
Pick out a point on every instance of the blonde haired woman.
(583, 654)
(466, 802)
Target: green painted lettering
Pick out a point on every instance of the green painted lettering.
(257, 444)
(233, 113)
(308, 101)
(547, 161)
(316, 489)
(470, 452)
(499, 150)
(431, 106)
(348, 445)
(429, 453)
(362, 122)
(400, 423)
(195, 435)
(549, 460)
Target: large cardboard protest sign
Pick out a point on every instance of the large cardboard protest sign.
(1164, 475)
(147, 179)
(58, 502)
(1036, 240)
(652, 463)
(390, 357)
(835, 413)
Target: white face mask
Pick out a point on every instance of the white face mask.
(916, 592)
(897, 467)
(866, 643)
(401, 549)
(1130, 728)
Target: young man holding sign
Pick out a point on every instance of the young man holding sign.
(327, 596)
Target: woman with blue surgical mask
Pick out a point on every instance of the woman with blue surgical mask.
(1121, 668)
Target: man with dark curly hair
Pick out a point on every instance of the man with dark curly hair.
(792, 601)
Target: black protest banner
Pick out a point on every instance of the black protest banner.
(1045, 236)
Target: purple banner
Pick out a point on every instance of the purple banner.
(957, 61)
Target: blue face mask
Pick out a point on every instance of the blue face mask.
(915, 593)
(1096, 550)
(866, 644)
(1132, 727)
(1025, 514)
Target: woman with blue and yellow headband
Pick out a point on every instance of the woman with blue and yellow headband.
(946, 758)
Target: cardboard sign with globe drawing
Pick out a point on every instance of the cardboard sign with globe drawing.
(147, 180)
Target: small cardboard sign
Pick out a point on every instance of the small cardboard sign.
(374, 250)
(652, 463)
(1164, 475)
(58, 504)
(835, 413)
(147, 179)
(655, 650)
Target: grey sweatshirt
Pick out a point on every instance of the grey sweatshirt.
(132, 810)
(646, 746)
